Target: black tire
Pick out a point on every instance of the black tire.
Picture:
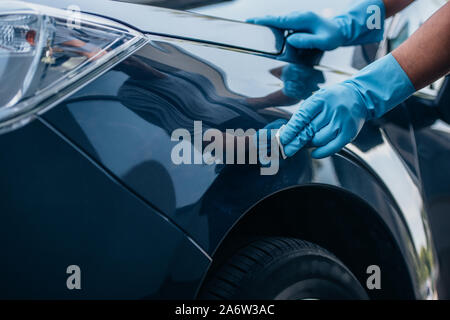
(284, 269)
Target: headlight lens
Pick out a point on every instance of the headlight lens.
(47, 53)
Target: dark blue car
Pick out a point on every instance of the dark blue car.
(94, 206)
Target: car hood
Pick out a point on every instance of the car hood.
(181, 24)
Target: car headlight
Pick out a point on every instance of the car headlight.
(47, 54)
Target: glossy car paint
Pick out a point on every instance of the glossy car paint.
(181, 24)
(59, 209)
(432, 135)
(120, 125)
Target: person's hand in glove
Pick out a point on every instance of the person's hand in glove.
(333, 116)
(311, 31)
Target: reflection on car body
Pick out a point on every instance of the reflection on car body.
(102, 172)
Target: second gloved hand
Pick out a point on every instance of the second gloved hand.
(333, 116)
(361, 24)
(328, 120)
(317, 32)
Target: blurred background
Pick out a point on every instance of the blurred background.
(243, 9)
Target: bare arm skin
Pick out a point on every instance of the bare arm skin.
(395, 6)
(425, 56)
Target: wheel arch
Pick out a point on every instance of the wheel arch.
(300, 212)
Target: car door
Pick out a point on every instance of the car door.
(429, 116)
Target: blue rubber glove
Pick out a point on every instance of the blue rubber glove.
(333, 116)
(314, 32)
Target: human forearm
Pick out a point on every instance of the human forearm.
(425, 55)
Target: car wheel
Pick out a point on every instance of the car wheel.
(282, 269)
